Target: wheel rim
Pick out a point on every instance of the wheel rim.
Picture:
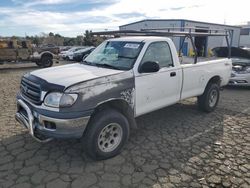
(213, 98)
(110, 137)
(47, 62)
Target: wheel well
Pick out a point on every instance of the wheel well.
(121, 106)
(47, 55)
(215, 80)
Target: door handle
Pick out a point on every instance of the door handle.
(172, 74)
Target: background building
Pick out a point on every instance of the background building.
(203, 44)
(245, 35)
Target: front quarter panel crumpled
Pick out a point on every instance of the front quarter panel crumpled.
(97, 91)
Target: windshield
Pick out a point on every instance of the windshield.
(115, 54)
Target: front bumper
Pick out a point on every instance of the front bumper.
(238, 83)
(44, 128)
(239, 80)
(77, 58)
(71, 57)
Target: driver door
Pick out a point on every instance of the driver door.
(159, 89)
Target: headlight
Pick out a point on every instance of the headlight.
(68, 99)
(57, 100)
(53, 99)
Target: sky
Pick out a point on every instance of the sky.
(73, 17)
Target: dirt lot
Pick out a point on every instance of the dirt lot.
(174, 147)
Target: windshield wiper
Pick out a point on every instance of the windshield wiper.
(105, 65)
(88, 63)
(120, 56)
(85, 62)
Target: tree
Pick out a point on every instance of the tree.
(79, 40)
(37, 40)
(69, 41)
(88, 38)
(57, 35)
(52, 38)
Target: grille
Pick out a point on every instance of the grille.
(31, 91)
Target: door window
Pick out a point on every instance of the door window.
(160, 52)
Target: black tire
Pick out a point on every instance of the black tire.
(39, 64)
(46, 61)
(208, 101)
(95, 144)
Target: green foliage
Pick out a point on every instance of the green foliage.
(81, 40)
(37, 40)
(90, 40)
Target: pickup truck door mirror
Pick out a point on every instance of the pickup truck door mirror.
(86, 55)
(149, 66)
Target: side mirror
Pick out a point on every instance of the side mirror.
(149, 66)
(86, 55)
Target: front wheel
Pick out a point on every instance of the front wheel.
(46, 61)
(39, 64)
(209, 99)
(106, 134)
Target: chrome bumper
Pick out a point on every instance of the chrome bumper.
(28, 121)
(36, 124)
(239, 82)
(239, 79)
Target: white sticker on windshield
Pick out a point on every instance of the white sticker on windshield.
(132, 45)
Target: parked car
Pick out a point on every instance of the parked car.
(64, 48)
(99, 98)
(78, 55)
(235, 52)
(68, 54)
(240, 72)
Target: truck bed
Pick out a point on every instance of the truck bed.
(190, 60)
(196, 76)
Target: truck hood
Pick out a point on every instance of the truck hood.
(68, 75)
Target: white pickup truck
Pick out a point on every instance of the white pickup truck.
(123, 78)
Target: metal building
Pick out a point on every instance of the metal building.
(245, 35)
(203, 44)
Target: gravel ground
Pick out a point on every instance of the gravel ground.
(177, 146)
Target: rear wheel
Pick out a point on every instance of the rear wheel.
(106, 134)
(209, 99)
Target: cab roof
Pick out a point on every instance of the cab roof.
(139, 38)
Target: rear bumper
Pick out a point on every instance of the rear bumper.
(44, 128)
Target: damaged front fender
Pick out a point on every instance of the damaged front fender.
(94, 92)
